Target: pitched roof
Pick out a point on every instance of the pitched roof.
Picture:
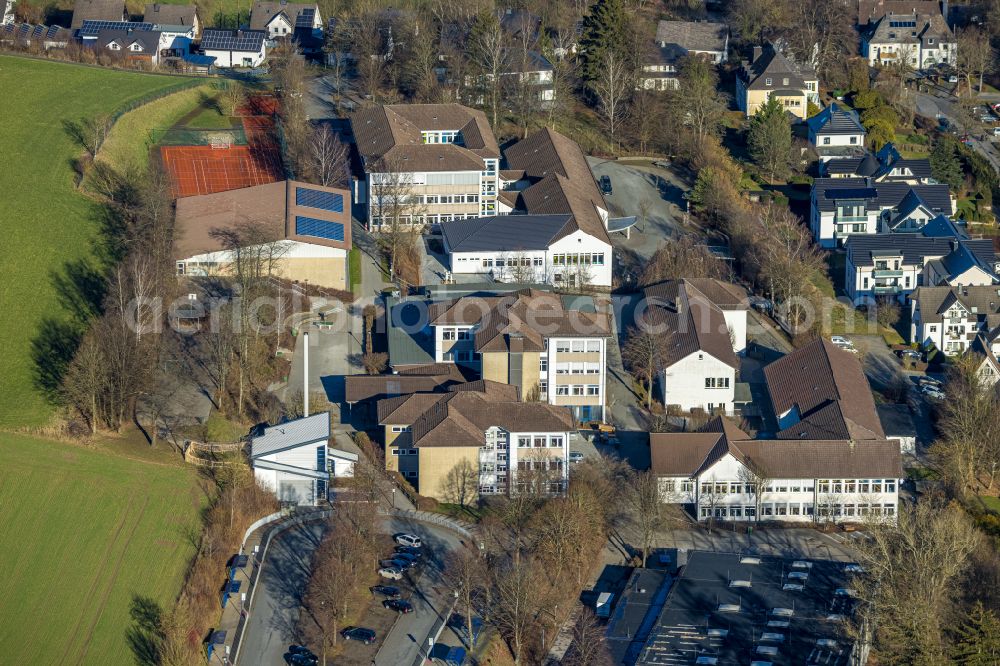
(908, 28)
(243, 41)
(148, 40)
(503, 233)
(834, 120)
(829, 390)
(97, 10)
(392, 132)
(775, 65)
(689, 316)
(879, 195)
(262, 12)
(290, 434)
(367, 387)
(871, 10)
(170, 14)
(26, 32)
(897, 421)
(933, 302)
(863, 249)
(693, 35)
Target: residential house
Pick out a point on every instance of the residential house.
(425, 163)
(7, 16)
(547, 345)
(131, 45)
(181, 19)
(915, 41)
(870, 11)
(720, 473)
(295, 461)
(308, 225)
(897, 423)
(771, 73)
(887, 165)
(559, 234)
(950, 318)
(986, 346)
(674, 41)
(235, 48)
(98, 10)
(171, 40)
(532, 71)
(897, 264)
(836, 132)
(280, 19)
(476, 439)
(361, 392)
(841, 207)
(703, 324)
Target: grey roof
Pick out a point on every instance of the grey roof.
(774, 65)
(896, 420)
(914, 247)
(148, 39)
(288, 435)
(292, 469)
(836, 120)
(503, 233)
(879, 195)
(970, 254)
(909, 29)
(941, 226)
(693, 35)
(173, 15)
(246, 41)
(693, 624)
(97, 10)
(933, 302)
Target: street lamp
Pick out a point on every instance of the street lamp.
(394, 498)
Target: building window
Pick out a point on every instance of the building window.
(826, 141)
(767, 81)
(578, 346)
(543, 364)
(562, 346)
(523, 441)
(593, 346)
(562, 390)
(543, 388)
(593, 389)
(577, 389)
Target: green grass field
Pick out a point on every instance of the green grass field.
(86, 531)
(46, 223)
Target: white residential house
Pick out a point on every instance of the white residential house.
(720, 473)
(836, 132)
(7, 15)
(703, 324)
(676, 40)
(950, 318)
(916, 41)
(294, 460)
(235, 48)
(280, 19)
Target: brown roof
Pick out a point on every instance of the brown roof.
(693, 35)
(273, 205)
(689, 454)
(262, 12)
(491, 388)
(690, 320)
(519, 321)
(405, 409)
(392, 132)
(367, 387)
(830, 391)
(872, 10)
(97, 10)
(564, 181)
(170, 14)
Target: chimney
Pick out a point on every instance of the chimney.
(305, 375)
(757, 53)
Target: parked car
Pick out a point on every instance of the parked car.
(302, 660)
(841, 341)
(392, 573)
(406, 557)
(932, 392)
(409, 550)
(411, 540)
(387, 591)
(575, 457)
(398, 605)
(930, 381)
(605, 182)
(952, 78)
(360, 634)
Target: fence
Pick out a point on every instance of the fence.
(152, 97)
(182, 136)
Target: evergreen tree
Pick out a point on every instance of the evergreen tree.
(770, 138)
(978, 640)
(607, 27)
(946, 165)
(880, 122)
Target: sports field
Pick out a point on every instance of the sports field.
(84, 532)
(46, 224)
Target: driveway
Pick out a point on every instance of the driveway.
(283, 580)
(779, 542)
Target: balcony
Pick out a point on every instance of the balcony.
(886, 289)
(886, 273)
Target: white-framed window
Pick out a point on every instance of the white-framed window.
(593, 389)
(393, 452)
(562, 389)
(543, 364)
(399, 428)
(543, 388)
(562, 346)
(593, 346)
(577, 389)
(578, 346)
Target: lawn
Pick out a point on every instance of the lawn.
(47, 224)
(86, 531)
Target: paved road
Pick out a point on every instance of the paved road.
(933, 106)
(272, 625)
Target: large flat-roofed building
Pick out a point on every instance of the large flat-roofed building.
(425, 163)
(727, 608)
(309, 227)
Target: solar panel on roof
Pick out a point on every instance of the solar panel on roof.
(852, 193)
(310, 226)
(318, 199)
(91, 28)
(305, 18)
(902, 24)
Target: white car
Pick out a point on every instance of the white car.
(411, 540)
(575, 457)
(392, 573)
(841, 341)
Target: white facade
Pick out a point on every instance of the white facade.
(889, 276)
(433, 197)
(821, 140)
(831, 228)
(231, 58)
(725, 491)
(922, 54)
(700, 380)
(295, 486)
(952, 335)
(579, 385)
(505, 454)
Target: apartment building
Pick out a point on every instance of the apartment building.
(836, 132)
(425, 163)
(916, 41)
(897, 264)
(770, 73)
(476, 439)
(950, 318)
(842, 207)
(552, 347)
(887, 165)
(703, 323)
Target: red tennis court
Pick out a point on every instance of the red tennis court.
(198, 170)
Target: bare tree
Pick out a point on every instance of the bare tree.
(755, 480)
(517, 601)
(647, 509)
(461, 483)
(643, 355)
(85, 379)
(467, 573)
(613, 88)
(329, 162)
(589, 647)
(976, 56)
(488, 50)
(232, 95)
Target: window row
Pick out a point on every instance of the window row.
(578, 368)
(540, 465)
(402, 452)
(398, 428)
(455, 333)
(827, 486)
(852, 510)
(716, 382)
(577, 346)
(512, 262)
(585, 258)
(578, 389)
(539, 441)
(445, 198)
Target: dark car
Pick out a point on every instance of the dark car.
(360, 634)
(406, 557)
(409, 551)
(605, 182)
(398, 605)
(300, 649)
(387, 591)
(303, 660)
